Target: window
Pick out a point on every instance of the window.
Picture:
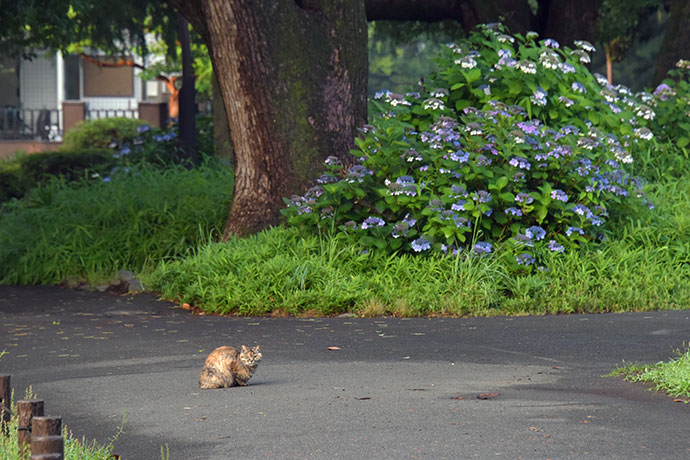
(108, 81)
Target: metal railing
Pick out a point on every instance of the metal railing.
(93, 114)
(30, 124)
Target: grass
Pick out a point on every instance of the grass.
(644, 266)
(672, 377)
(74, 448)
(92, 230)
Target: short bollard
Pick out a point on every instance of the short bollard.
(46, 439)
(5, 403)
(27, 409)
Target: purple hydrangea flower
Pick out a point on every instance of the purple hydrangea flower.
(143, 128)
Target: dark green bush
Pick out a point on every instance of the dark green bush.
(101, 134)
(70, 165)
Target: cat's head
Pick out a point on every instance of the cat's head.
(250, 356)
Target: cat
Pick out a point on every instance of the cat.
(225, 367)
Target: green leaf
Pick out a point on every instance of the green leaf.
(682, 142)
(473, 75)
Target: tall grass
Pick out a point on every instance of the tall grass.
(91, 230)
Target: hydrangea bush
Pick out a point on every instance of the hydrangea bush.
(512, 142)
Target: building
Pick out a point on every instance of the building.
(43, 97)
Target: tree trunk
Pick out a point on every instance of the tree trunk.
(569, 20)
(676, 43)
(293, 78)
(221, 132)
(187, 95)
(609, 64)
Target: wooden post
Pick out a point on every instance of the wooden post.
(46, 439)
(5, 402)
(27, 409)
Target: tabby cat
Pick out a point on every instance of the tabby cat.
(225, 367)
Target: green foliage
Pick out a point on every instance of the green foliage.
(90, 230)
(401, 52)
(619, 21)
(116, 27)
(513, 141)
(102, 133)
(672, 377)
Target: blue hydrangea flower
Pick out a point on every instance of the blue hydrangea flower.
(460, 156)
(535, 232)
(459, 206)
(524, 259)
(579, 87)
(513, 211)
(551, 43)
(524, 198)
(519, 162)
(409, 220)
(420, 244)
(373, 222)
(555, 247)
(559, 195)
(572, 230)
(143, 128)
(582, 210)
(482, 248)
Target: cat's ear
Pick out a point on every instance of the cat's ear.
(257, 349)
(244, 349)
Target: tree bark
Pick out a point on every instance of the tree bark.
(609, 64)
(221, 132)
(187, 96)
(676, 43)
(569, 20)
(293, 78)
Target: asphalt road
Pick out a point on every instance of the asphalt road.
(395, 389)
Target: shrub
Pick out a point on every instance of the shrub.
(513, 142)
(102, 133)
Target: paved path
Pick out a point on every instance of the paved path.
(397, 388)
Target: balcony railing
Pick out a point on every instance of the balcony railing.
(30, 124)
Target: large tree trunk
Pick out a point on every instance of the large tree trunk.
(676, 43)
(569, 20)
(293, 78)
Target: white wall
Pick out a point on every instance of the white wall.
(38, 83)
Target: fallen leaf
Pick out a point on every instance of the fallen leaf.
(487, 395)
(334, 348)
(186, 306)
(458, 397)
(678, 400)
(363, 399)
